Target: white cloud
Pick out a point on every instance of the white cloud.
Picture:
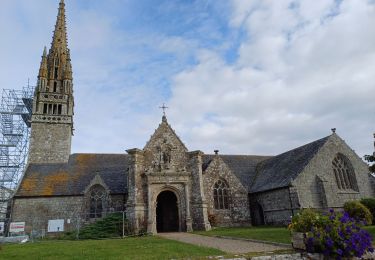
(297, 68)
(303, 68)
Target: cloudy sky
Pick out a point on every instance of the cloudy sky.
(241, 76)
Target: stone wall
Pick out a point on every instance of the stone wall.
(73, 209)
(37, 211)
(317, 187)
(238, 213)
(50, 143)
(277, 205)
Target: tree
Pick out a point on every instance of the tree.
(371, 160)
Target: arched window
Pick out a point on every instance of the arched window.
(221, 194)
(344, 173)
(98, 197)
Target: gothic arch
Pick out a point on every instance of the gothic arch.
(344, 173)
(98, 201)
(97, 198)
(168, 209)
(221, 194)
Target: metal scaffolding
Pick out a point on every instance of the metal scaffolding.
(15, 115)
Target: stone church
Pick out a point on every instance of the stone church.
(164, 186)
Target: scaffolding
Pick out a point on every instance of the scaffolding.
(15, 116)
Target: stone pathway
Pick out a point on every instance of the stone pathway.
(224, 244)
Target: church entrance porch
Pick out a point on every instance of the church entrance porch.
(167, 219)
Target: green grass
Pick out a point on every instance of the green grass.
(273, 234)
(128, 248)
(371, 230)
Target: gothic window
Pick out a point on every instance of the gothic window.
(344, 173)
(45, 109)
(98, 202)
(221, 195)
(59, 109)
(55, 87)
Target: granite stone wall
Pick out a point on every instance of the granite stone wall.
(238, 213)
(317, 186)
(277, 206)
(50, 143)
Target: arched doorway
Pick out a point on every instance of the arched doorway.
(167, 212)
(257, 215)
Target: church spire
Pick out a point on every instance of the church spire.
(60, 39)
(53, 105)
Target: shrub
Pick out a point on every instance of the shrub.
(305, 220)
(357, 210)
(107, 227)
(370, 204)
(341, 236)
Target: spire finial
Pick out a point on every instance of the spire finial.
(164, 107)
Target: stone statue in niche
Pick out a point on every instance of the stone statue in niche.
(164, 152)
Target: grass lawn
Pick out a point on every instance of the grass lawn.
(371, 230)
(273, 234)
(128, 248)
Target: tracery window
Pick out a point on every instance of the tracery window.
(98, 197)
(344, 173)
(221, 195)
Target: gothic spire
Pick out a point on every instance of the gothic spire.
(60, 40)
(43, 70)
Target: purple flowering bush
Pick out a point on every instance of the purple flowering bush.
(337, 235)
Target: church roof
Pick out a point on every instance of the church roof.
(280, 170)
(73, 178)
(243, 166)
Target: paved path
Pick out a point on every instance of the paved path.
(224, 244)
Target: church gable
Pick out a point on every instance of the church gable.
(225, 194)
(335, 175)
(165, 150)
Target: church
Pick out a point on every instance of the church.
(164, 187)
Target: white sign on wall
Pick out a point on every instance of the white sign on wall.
(56, 225)
(16, 227)
(2, 227)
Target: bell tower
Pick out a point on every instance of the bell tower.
(52, 116)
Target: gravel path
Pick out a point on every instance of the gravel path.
(224, 244)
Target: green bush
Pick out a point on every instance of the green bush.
(306, 219)
(358, 211)
(370, 204)
(107, 227)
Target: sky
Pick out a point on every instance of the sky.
(241, 76)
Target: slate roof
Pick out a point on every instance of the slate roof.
(280, 170)
(256, 173)
(243, 166)
(73, 177)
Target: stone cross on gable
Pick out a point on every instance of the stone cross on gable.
(164, 107)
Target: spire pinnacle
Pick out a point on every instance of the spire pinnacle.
(60, 40)
(43, 70)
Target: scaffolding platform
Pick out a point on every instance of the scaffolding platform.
(15, 116)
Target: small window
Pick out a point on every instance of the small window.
(59, 109)
(55, 87)
(50, 109)
(45, 109)
(344, 173)
(221, 195)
